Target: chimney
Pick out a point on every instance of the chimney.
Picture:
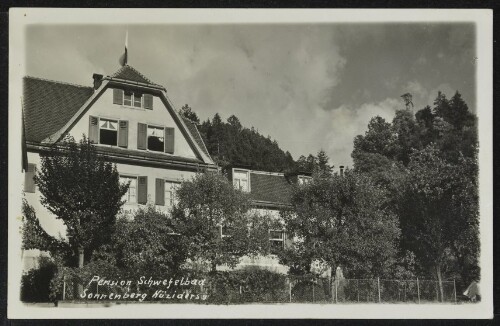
(341, 170)
(97, 80)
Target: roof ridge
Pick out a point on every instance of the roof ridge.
(136, 71)
(56, 81)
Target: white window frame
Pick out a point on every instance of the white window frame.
(125, 176)
(132, 101)
(147, 136)
(281, 239)
(235, 170)
(222, 235)
(173, 198)
(304, 179)
(117, 121)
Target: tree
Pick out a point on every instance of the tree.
(234, 122)
(341, 221)
(187, 112)
(378, 141)
(83, 190)
(438, 206)
(322, 165)
(211, 213)
(148, 244)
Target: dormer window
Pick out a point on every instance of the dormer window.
(241, 180)
(132, 99)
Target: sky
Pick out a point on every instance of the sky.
(308, 86)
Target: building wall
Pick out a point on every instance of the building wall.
(158, 116)
(56, 227)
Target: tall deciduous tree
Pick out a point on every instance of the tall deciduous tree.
(211, 213)
(83, 190)
(341, 221)
(438, 206)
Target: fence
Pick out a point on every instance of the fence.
(293, 290)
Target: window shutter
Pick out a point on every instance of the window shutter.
(123, 133)
(142, 136)
(142, 190)
(29, 182)
(160, 192)
(148, 101)
(288, 240)
(169, 140)
(94, 129)
(117, 96)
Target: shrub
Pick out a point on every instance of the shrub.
(247, 285)
(35, 284)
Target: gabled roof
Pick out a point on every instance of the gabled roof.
(196, 135)
(271, 188)
(48, 105)
(129, 73)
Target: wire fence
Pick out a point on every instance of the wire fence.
(294, 289)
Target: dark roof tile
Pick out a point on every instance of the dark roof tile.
(49, 105)
(129, 73)
(270, 188)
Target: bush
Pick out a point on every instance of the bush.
(247, 285)
(303, 290)
(35, 284)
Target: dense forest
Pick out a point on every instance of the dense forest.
(231, 144)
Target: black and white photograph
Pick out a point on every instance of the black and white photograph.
(250, 163)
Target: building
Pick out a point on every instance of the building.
(134, 124)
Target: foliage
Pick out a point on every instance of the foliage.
(35, 284)
(342, 221)
(35, 237)
(247, 285)
(209, 205)
(449, 125)
(438, 205)
(311, 290)
(187, 112)
(229, 143)
(318, 164)
(428, 164)
(81, 188)
(147, 244)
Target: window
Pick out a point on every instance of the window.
(277, 239)
(156, 139)
(132, 99)
(304, 180)
(127, 98)
(137, 100)
(131, 195)
(170, 188)
(108, 132)
(240, 180)
(225, 231)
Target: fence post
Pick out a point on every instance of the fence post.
(64, 287)
(454, 290)
(313, 289)
(336, 290)
(357, 287)
(378, 287)
(418, 291)
(290, 289)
